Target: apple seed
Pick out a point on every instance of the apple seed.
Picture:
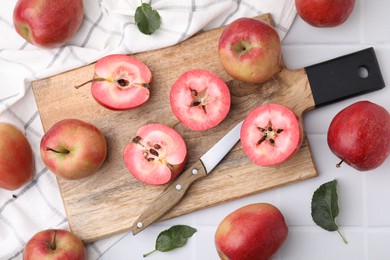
(200, 99)
(269, 134)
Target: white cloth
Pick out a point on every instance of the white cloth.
(108, 27)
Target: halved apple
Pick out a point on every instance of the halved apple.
(156, 155)
(121, 82)
(271, 134)
(200, 99)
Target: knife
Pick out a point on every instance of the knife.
(330, 81)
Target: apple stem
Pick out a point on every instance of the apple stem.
(53, 241)
(339, 164)
(89, 81)
(145, 255)
(64, 151)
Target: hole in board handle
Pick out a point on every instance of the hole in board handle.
(363, 71)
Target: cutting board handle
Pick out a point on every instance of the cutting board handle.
(344, 77)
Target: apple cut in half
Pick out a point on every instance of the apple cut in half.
(121, 82)
(271, 134)
(156, 155)
(200, 99)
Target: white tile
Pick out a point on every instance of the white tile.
(310, 243)
(376, 27)
(378, 244)
(378, 208)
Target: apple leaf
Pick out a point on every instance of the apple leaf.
(172, 238)
(325, 208)
(147, 19)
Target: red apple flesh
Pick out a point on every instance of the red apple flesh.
(271, 134)
(121, 82)
(16, 158)
(324, 13)
(252, 232)
(156, 155)
(359, 135)
(48, 23)
(250, 50)
(54, 244)
(73, 149)
(200, 99)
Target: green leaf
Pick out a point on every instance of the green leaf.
(325, 208)
(147, 19)
(173, 238)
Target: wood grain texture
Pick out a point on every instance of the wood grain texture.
(111, 200)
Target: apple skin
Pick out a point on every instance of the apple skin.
(359, 135)
(250, 50)
(16, 158)
(73, 149)
(54, 244)
(252, 232)
(48, 23)
(324, 13)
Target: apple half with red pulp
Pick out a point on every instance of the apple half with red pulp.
(121, 82)
(200, 99)
(156, 155)
(271, 134)
(250, 50)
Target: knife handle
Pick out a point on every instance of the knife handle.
(170, 196)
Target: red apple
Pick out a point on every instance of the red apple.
(252, 232)
(48, 23)
(16, 158)
(121, 82)
(156, 155)
(73, 149)
(54, 244)
(271, 134)
(324, 13)
(200, 99)
(250, 50)
(359, 135)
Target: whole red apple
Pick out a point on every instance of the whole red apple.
(54, 244)
(48, 23)
(250, 50)
(16, 158)
(359, 135)
(252, 232)
(73, 149)
(324, 13)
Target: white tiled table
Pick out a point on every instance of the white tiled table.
(364, 198)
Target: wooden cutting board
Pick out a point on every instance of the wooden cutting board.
(111, 200)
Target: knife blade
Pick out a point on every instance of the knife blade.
(327, 82)
(175, 191)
